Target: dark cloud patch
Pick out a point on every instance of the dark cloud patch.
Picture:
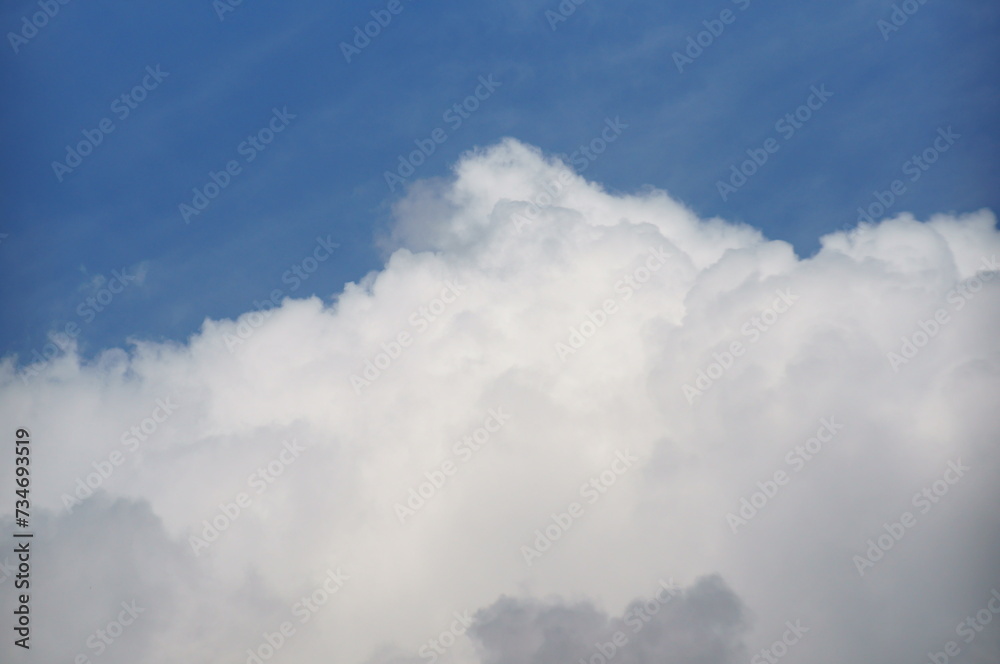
(701, 625)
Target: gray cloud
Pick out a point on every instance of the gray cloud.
(703, 624)
(109, 584)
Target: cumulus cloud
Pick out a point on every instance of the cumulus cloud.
(453, 429)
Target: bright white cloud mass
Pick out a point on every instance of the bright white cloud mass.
(554, 403)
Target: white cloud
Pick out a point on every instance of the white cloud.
(494, 346)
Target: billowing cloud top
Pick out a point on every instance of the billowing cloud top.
(550, 401)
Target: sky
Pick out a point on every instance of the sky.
(226, 71)
(630, 332)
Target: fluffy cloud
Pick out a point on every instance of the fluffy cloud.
(548, 391)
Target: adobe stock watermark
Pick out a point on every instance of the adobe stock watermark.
(122, 106)
(898, 17)
(304, 609)
(968, 629)
(296, 275)
(38, 20)
(381, 18)
(106, 291)
(130, 440)
(260, 480)
(911, 344)
(101, 639)
(780, 647)
(549, 195)
(454, 116)
(753, 328)
(697, 43)
(106, 288)
(914, 167)
(925, 500)
(437, 477)
(249, 149)
(562, 12)
(580, 159)
(587, 153)
(440, 644)
(796, 459)
(223, 7)
(626, 286)
(636, 617)
(591, 491)
(420, 320)
(786, 126)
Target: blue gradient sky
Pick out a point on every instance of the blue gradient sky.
(324, 174)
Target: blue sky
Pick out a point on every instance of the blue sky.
(323, 175)
(657, 395)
